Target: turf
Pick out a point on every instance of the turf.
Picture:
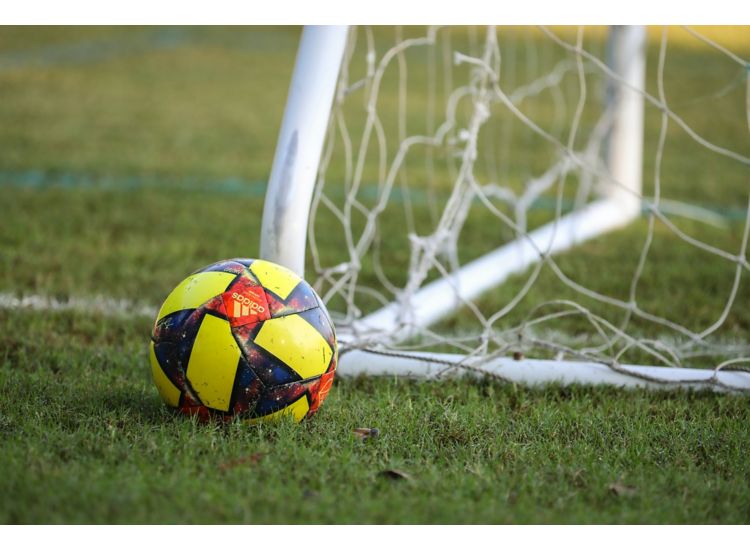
(122, 152)
(88, 441)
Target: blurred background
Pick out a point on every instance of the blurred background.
(130, 156)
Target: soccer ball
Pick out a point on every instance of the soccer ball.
(244, 338)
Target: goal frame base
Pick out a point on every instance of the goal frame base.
(539, 372)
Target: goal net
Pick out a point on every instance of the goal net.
(538, 204)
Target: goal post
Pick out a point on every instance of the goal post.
(303, 130)
(627, 50)
(391, 338)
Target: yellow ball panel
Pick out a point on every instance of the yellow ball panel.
(213, 363)
(168, 391)
(298, 410)
(195, 291)
(279, 280)
(297, 343)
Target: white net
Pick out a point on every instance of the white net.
(469, 184)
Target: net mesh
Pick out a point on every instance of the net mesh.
(447, 143)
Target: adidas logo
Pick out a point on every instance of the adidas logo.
(242, 306)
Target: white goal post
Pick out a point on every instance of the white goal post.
(369, 342)
(303, 130)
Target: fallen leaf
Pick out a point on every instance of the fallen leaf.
(366, 433)
(249, 459)
(397, 475)
(621, 490)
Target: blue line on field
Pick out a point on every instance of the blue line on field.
(162, 38)
(39, 179)
(89, 51)
(238, 187)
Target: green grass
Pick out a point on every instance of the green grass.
(170, 130)
(88, 440)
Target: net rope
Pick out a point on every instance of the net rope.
(444, 144)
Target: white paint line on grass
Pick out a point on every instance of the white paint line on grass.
(122, 307)
(100, 305)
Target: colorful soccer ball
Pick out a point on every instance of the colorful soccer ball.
(244, 338)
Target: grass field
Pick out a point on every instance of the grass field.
(121, 152)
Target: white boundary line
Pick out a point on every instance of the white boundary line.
(529, 372)
(100, 305)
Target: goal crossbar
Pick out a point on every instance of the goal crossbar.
(439, 299)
